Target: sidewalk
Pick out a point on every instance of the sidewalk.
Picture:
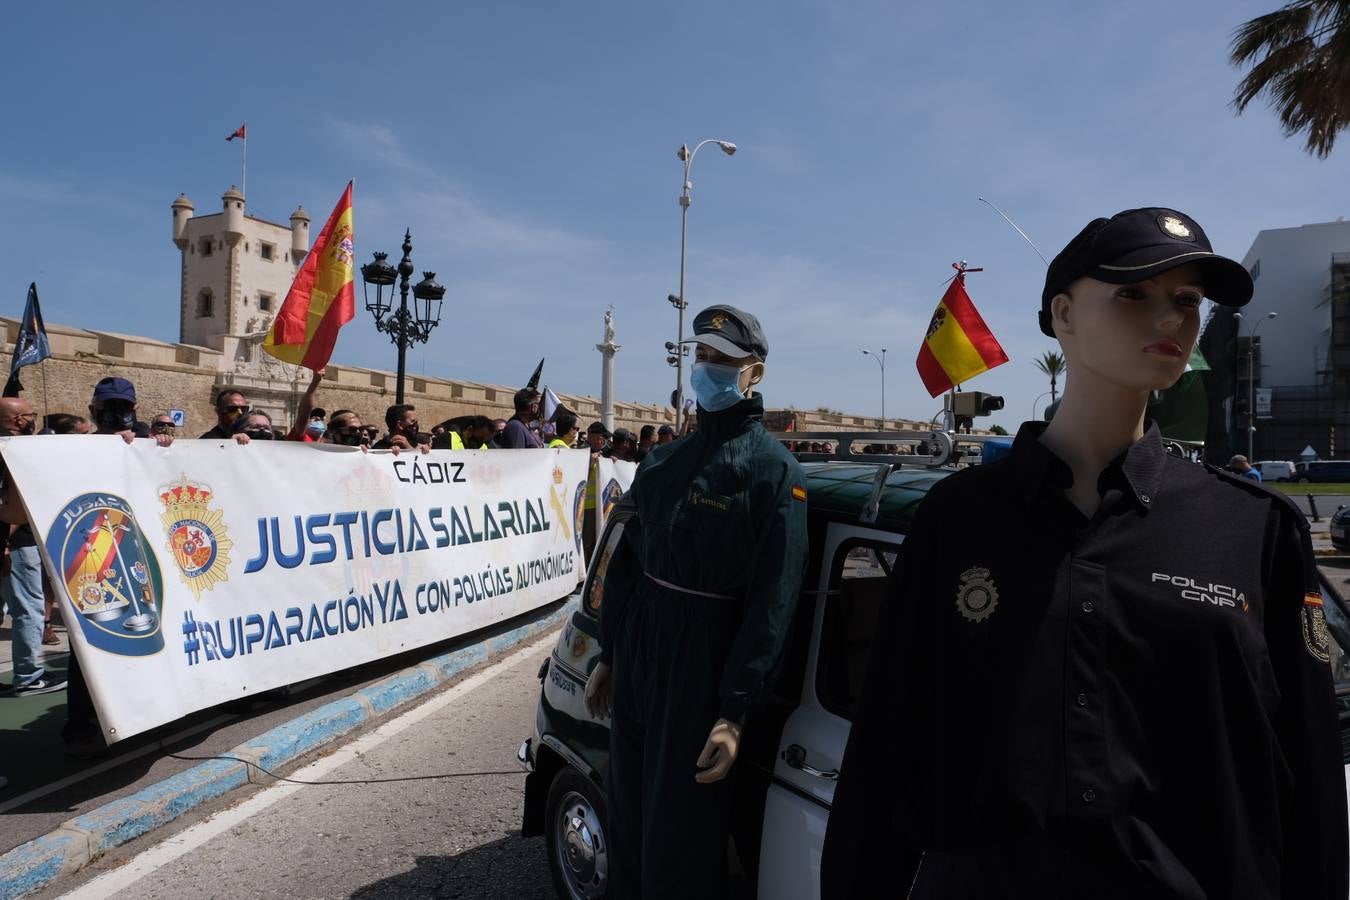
(31, 749)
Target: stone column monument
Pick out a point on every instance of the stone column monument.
(607, 351)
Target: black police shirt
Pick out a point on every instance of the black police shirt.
(1138, 704)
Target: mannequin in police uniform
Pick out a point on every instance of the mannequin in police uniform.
(1126, 693)
(698, 601)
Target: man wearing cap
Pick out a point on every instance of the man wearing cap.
(1127, 695)
(597, 438)
(622, 445)
(697, 606)
(665, 435)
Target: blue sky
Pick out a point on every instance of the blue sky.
(531, 149)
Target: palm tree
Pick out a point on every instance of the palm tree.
(1301, 55)
(1051, 364)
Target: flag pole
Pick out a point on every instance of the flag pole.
(243, 174)
(46, 411)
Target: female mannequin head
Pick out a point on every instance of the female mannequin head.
(1123, 299)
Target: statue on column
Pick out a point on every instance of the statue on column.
(609, 326)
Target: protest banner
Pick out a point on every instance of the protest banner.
(613, 479)
(207, 571)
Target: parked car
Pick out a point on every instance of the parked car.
(1340, 528)
(1276, 470)
(860, 510)
(1322, 471)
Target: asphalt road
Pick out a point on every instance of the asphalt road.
(447, 837)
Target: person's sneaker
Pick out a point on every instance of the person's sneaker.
(33, 688)
(49, 635)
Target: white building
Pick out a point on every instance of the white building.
(236, 268)
(1300, 358)
(1292, 271)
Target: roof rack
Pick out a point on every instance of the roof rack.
(941, 448)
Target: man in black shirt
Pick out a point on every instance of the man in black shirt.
(517, 435)
(231, 407)
(1117, 687)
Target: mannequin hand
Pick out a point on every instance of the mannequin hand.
(724, 742)
(600, 692)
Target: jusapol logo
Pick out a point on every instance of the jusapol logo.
(1200, 592)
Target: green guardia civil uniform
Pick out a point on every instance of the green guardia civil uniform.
(697, 605)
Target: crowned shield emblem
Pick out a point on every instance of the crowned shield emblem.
(976, 596)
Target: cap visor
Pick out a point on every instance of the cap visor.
(720, 344)
(1226, 282)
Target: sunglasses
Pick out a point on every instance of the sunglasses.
(239, 408)
(260, 434)
(162, 426)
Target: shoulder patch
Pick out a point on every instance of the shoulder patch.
(799, 493)
(1315, 635)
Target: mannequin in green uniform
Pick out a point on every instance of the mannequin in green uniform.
(697, 605)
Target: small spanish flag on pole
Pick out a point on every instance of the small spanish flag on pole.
(958, 345)
(322, 298)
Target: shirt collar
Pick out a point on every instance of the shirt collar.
(1039, 469)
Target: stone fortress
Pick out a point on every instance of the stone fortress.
(236, 270)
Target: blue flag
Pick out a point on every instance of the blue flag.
(32, 345)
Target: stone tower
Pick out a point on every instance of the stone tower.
(236, 268)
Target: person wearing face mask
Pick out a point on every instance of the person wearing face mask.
(1128, 694)
(113, 411)
(231, 407)
(345, 429)
(697, 606)
(404, 429)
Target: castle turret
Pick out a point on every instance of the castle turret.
(182, 211)
(234, 215)
(299, 234)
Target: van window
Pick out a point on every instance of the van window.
(859, 583)
(595, 588)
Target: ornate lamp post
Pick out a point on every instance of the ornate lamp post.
(881, 361)
(404, 326)
(686, 156)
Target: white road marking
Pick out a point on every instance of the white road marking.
(170, 849)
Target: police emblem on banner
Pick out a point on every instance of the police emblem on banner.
(609, 497)
(198, 540)
(108, 574)
(579, 514)
(1315, 635)
(976, 597)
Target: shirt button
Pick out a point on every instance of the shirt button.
(1089, 795)
(1145, 499)
(1088, 606)
(1081, 700)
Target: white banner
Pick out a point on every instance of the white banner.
(613, 479)
(206, 571)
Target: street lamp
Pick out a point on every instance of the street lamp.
(686, 156)
(405, 327)
(1034, 402)
(1251, 382)
(881, 361)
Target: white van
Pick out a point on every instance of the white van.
(1276, 470)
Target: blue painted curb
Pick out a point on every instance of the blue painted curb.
(81, 840)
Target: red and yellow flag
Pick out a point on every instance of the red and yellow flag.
(322, 298)
(958, 345)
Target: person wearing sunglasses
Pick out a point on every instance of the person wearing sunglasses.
(163, 424)
(345, 428)
(231, 408)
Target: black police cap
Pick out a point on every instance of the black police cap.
(729, 330)
(1138, 244)
(597, 428)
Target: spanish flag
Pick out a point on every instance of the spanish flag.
(958, 345)
(322, 298)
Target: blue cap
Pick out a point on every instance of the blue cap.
(113, 388)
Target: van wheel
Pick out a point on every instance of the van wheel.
(578, 848)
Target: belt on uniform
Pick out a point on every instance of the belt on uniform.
(685, 590)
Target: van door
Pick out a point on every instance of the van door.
(854, 575)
